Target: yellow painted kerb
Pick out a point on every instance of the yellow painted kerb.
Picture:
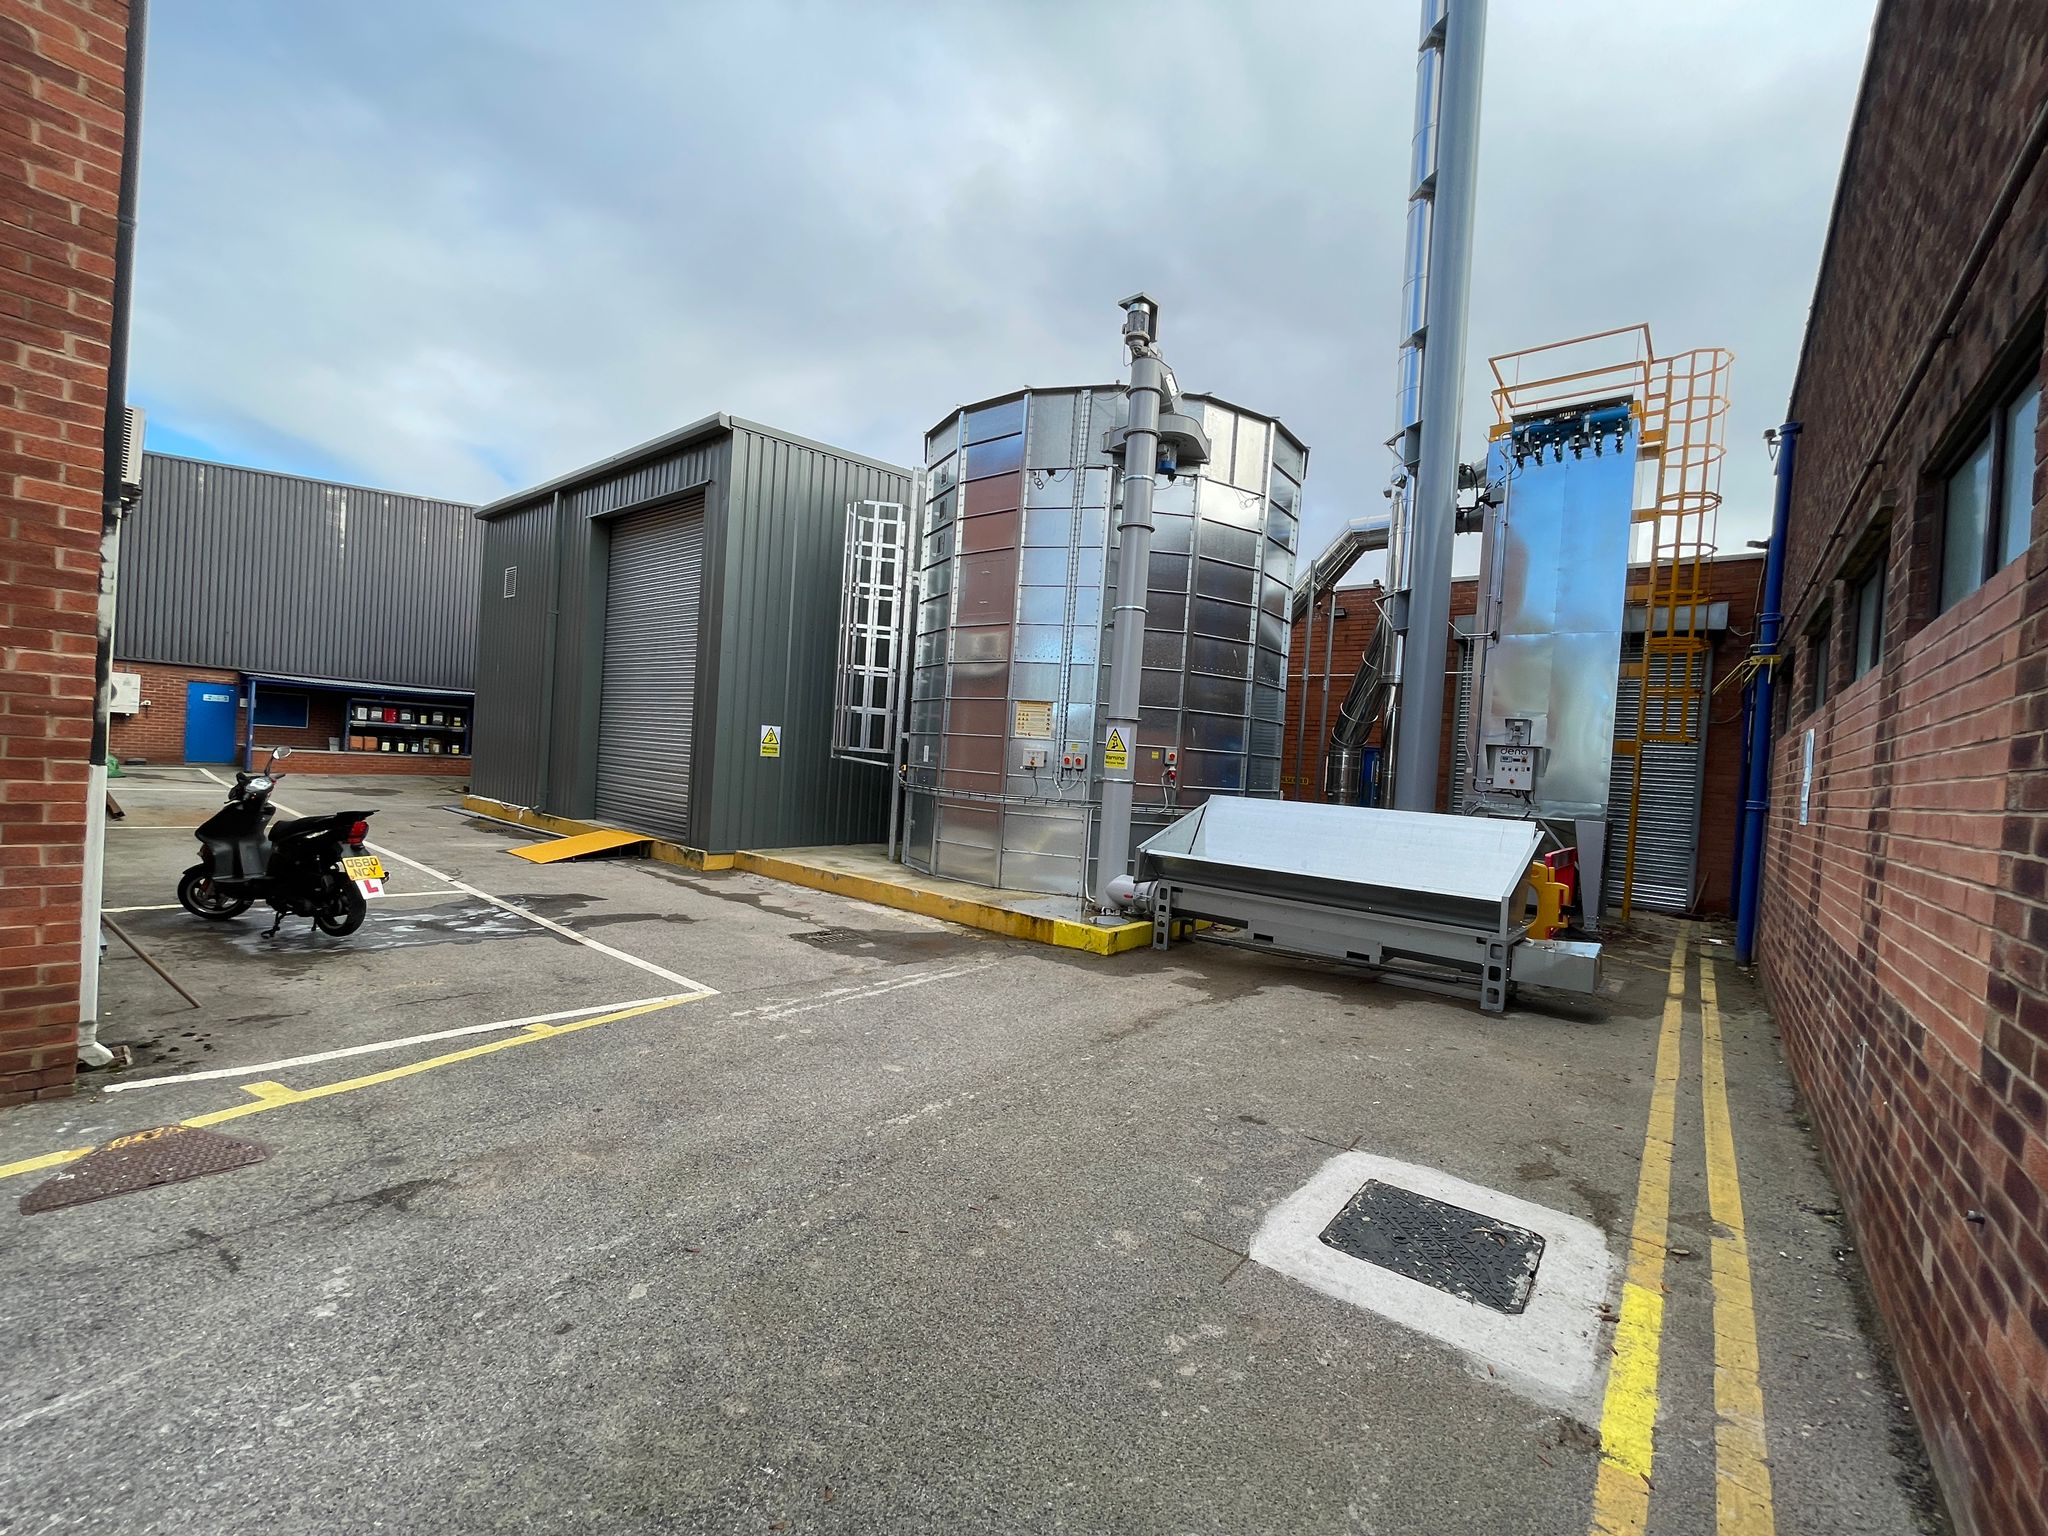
(1064, 932)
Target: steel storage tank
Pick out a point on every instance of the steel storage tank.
(1016, 593)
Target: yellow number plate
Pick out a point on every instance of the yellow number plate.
(363, 869)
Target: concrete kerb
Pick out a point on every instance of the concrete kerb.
(928, 900)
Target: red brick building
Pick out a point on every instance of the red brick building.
(62, 99)
(1904, 928)
(1321, 666)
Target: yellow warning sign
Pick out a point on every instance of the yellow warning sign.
(1113, 753)
(771, 741)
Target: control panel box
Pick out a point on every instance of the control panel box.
(1514, 768)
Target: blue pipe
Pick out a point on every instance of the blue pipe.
(1756, 801)
(1742, 779)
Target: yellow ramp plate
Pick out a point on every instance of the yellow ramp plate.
(556, 849)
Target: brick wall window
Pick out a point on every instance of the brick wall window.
(1819, 659)
(1987, 499)
(1869, 606)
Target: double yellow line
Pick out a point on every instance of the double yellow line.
(1628, 1420)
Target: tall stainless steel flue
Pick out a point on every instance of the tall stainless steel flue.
(1133, 562)
(1432, 378)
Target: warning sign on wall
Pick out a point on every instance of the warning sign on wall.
(1114, 753)
(771, 741)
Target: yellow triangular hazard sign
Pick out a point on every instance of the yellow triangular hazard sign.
(1113, 753)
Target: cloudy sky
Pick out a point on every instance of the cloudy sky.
(454, 249)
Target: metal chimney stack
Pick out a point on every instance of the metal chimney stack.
(1431, 382)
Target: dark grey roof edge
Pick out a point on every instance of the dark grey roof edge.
(281, 474)
(1071, 389)
(696, 431)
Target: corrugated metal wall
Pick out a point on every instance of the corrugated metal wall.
(777, 622)
(508, 737)
(774, 537)
(250, 571)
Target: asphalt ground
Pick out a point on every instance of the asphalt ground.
(889, 1226)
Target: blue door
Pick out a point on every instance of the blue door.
(210, 722)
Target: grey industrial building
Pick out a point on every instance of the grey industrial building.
(657, 640)
(261, 609)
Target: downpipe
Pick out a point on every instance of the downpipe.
(112, 510)
(1756, 802)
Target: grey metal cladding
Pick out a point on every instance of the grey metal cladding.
(777, 620)
(250, 571)
(511, 643)
(774, 533)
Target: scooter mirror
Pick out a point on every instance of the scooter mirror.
(279, 754)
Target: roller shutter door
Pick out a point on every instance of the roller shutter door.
(653, 597)
(1668, 828)
(1461, 725)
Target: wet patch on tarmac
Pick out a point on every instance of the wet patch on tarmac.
(894, 946)
(386, 927)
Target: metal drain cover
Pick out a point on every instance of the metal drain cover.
(1446, 1246)
(166, 1154)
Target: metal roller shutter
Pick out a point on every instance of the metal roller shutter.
(1668, 830)
(1461, 723)
(653, 597)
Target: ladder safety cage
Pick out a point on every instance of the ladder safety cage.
(874, 613)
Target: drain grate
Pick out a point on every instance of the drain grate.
(166, 1154)
(1446, 1246)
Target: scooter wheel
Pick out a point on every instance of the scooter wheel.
(198, 895)
(347, 917)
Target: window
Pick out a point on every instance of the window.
(1819, 659)
(2016, 493)
(284, 711)
(1870, 620)
(1988, 501)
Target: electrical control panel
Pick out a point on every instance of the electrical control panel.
(1076, 755)
(1514, 768)
(1034, 757)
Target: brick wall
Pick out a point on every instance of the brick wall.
(61, 67)
(156, 733)
(1904, 936)
(1734, 581)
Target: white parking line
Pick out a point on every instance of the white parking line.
(386, 1045)
(680, 982)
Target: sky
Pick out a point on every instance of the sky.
(456, 249)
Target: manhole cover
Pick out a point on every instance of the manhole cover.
(1445, 1246)
(167, 1154)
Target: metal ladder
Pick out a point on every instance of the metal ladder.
(1685, 418)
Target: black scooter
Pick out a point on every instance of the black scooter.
(314, 866)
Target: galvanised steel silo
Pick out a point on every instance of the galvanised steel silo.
(1016, 590)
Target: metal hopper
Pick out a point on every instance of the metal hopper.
(1435, 898)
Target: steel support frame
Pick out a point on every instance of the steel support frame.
(1348, 936)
